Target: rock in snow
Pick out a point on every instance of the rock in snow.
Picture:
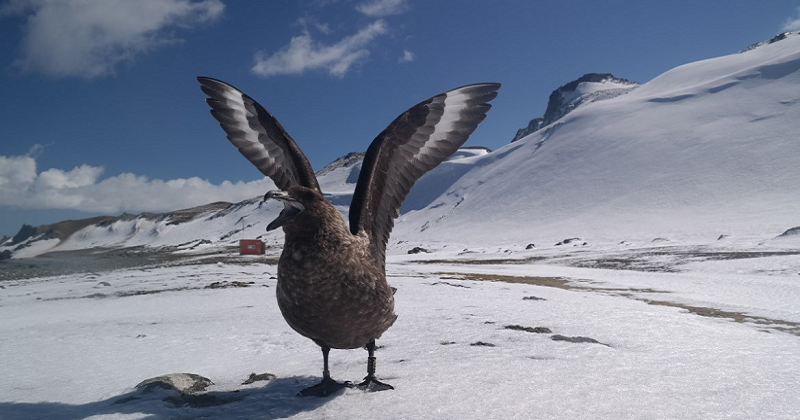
(186, 383)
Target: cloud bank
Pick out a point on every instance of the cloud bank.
(303, 54)
(82, 189)
(88, 38)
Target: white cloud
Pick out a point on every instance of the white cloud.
(89, 38)
(379, 8)
(324, 28)
(303, 53)
(22, 186)
(792, 24)
(407, 57)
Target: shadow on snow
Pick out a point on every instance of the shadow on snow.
(277, 399)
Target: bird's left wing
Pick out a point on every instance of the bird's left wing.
(414, 143)
(258, 135)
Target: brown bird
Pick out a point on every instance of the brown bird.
(331, 279)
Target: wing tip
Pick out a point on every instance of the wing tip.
(210, 83)
(492, 86)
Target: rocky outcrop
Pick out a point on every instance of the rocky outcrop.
(591, 87)
(774, 39)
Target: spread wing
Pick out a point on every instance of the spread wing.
(258, 135)
(414, 143)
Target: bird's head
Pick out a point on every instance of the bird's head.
(296, 200)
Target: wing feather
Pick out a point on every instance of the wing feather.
(413, 144)
(258, 135)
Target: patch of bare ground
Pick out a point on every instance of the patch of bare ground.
(742, 318)
(491, 261)
(556, 282)
(129, 293)
(649, 259)
(564, 283)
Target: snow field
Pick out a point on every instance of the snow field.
(68, 356)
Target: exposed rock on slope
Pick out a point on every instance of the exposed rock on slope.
(586, 89)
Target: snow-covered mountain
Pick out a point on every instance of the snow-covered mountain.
(706, 149)
(586, 89)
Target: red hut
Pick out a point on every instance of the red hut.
(251, 247)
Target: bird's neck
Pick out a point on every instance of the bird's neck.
(320, 225)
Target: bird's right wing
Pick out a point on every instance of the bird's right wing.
(258, 135)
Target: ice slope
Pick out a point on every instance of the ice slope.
(705, 149)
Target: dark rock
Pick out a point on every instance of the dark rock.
(417, 250)
(25, 232)
(482, 344)
(532, 298)
(447, 343)
(226, 284)
(186, 383)
(259, 377)
(569, 241)
(578, 339)
(536, 330)
(350, 160)
(774, 39)
(5, 255)
(533, 126)
(530, 246)
(449, 284)
(795, 231)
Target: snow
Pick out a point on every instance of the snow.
(36, 248)
(74, 345)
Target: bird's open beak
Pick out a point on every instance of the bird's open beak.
(291, 208)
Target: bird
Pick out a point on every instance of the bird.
(332, 285)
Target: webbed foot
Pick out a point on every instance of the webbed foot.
(325, 387)
(372, 384)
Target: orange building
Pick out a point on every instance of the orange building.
(251, 247)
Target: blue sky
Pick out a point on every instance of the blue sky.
(101, 113)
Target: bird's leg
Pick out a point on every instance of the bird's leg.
(326, 386)
(371, 383)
